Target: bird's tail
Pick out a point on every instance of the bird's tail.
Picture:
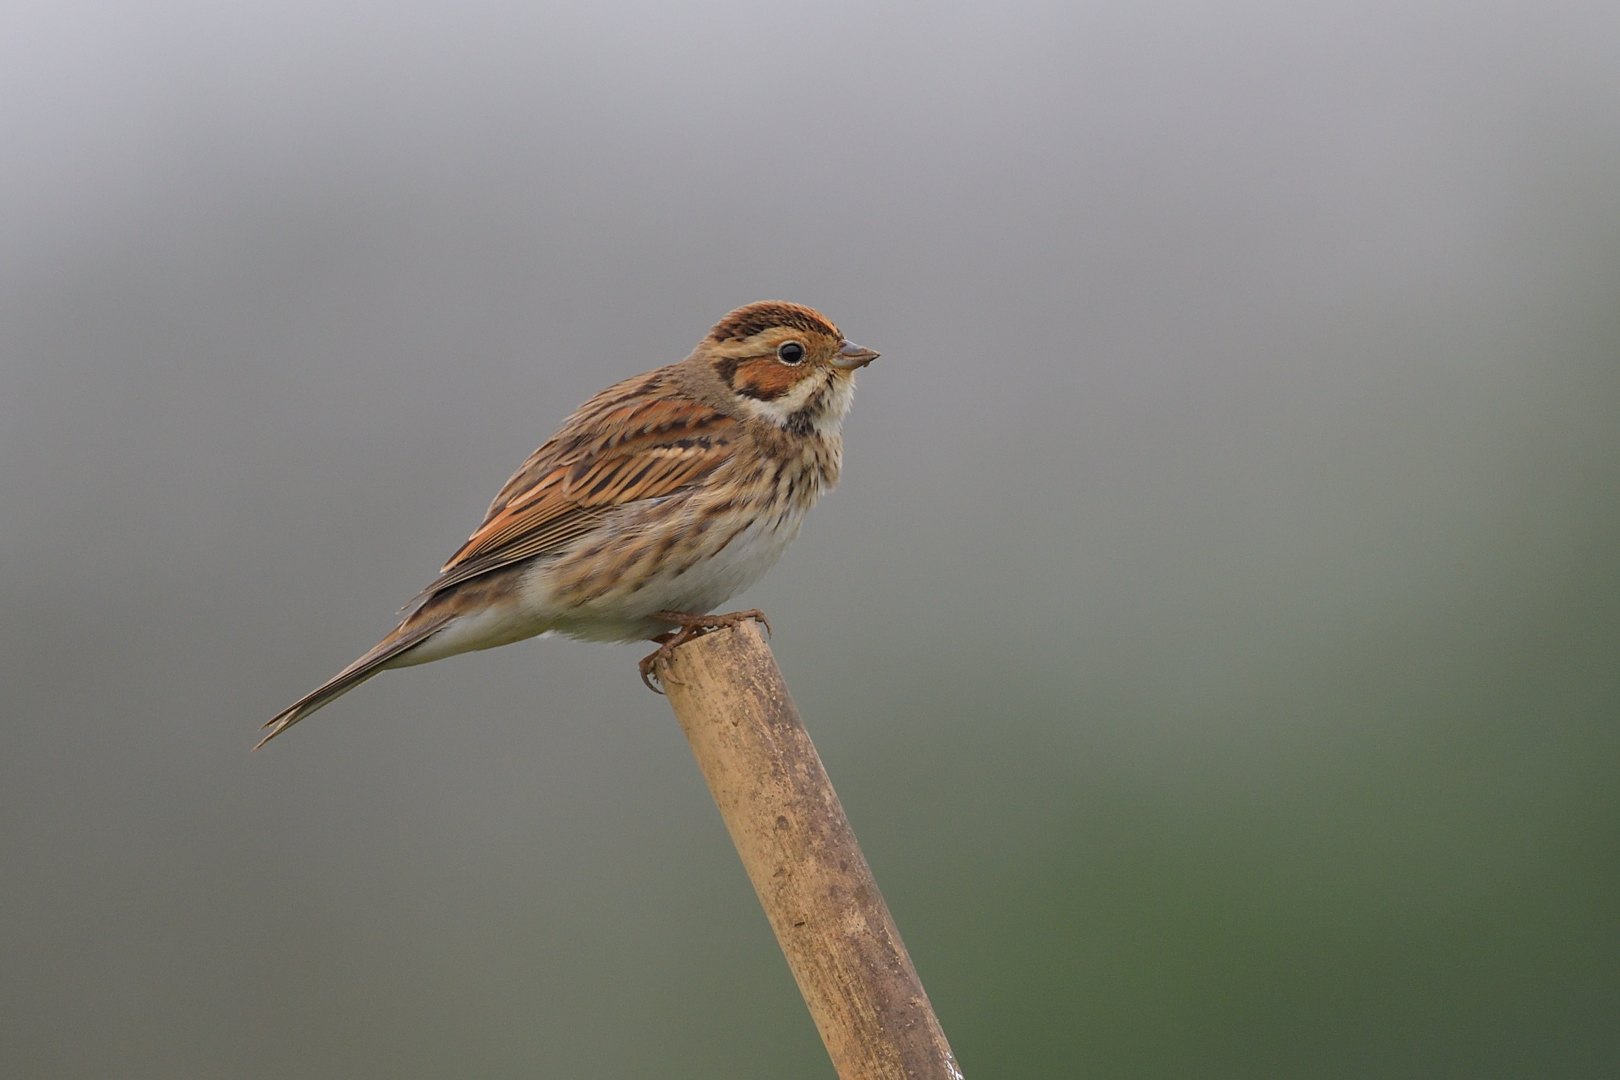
(404, 637)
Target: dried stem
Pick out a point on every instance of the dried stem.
(804, 860)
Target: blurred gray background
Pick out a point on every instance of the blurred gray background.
(1214, 639)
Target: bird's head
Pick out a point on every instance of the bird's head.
(785, 363)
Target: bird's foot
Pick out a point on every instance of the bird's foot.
(689, 626)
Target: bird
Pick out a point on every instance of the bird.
(656, 501)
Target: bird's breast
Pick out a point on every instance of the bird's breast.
(688, 552)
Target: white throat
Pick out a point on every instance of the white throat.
(828, 397)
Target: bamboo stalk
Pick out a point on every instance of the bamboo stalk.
(803, 858)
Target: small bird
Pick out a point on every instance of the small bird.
(659, 499)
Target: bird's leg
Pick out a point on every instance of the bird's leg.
(689, 626)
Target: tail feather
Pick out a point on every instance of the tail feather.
(403, 638)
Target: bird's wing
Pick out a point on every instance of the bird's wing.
(634, 441)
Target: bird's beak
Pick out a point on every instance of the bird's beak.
(852, 356)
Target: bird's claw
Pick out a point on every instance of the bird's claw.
(649, 667)
(690, 626)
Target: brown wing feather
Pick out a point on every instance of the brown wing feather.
(637, 440)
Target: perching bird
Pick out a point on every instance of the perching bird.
(659, 499)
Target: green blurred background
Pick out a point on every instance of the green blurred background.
(1215, 641)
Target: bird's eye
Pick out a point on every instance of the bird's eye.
(790, 352)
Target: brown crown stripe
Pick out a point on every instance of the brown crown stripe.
(745, 322)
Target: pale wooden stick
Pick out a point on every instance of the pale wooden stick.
(804, 860)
